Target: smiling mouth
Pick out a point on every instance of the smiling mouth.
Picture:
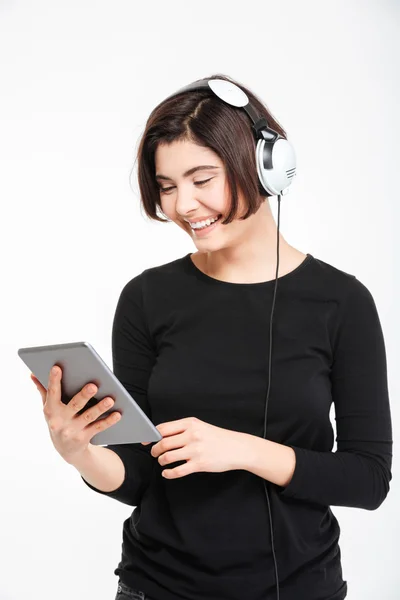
(205, 226)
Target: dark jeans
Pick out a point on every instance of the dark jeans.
(126, 593)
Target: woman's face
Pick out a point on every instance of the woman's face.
(186, 197)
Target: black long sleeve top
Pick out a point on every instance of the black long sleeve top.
(187, 344)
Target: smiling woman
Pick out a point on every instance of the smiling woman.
(198, 200)
(197, 163)
(193, 202)
(190, 341)
(223, 139)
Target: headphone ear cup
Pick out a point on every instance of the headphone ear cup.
(276, 165)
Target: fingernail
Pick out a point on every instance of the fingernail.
(54, 370)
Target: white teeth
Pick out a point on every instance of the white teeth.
(201, 224)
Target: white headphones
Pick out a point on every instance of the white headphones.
(275, 156)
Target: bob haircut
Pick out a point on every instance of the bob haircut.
(202, 118)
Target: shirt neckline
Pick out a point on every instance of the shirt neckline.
(260, 284)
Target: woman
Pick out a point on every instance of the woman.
(190, 343)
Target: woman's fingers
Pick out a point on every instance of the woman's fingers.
(69, 433)
(53, 395)
(81, 398)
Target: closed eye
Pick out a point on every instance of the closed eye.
(195, 183)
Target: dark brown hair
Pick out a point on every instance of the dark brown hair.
(204, 119)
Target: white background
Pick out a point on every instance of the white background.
(78, 80)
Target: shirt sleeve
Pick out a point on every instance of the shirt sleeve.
(359, 472)
(133, 356)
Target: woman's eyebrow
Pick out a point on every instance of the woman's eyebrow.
(189, 171)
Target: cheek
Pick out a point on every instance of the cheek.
(216, 199)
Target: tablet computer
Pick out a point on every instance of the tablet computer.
(80, 365)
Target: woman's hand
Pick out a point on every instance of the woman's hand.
(205, 447)
(71, 433)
